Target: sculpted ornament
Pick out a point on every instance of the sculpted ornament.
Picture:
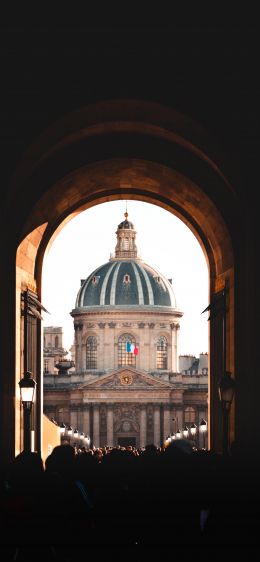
(126, 379)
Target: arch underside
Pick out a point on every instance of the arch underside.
(123, 152)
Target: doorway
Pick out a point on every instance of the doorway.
(126, 441)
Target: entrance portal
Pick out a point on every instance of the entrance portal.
(125, 441)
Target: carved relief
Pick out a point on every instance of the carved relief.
(126, 418)
(126, 379)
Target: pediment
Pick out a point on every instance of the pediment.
(127, 379)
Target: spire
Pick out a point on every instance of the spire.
(126, 233)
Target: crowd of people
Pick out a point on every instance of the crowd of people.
(173, 497)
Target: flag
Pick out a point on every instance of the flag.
(128, 346)
(132, 347)
(136, 351)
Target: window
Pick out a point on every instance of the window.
(56, 342)
(125, 244)
(91, 362)
(46, 366)
(161, 353)
(126, 279)
(189, 415)
(125, 357)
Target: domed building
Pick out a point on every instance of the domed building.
(126, 387)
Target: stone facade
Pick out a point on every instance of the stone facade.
(115, 395)
(53, 350)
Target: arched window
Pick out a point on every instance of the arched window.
(56, 342)
(189, 415)
(125, 244)
(91, 362)
(161, 353)
(126, 357)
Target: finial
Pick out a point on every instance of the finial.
(126, 213)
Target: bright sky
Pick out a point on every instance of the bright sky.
(163, 241)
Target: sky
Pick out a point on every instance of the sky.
(162, 240)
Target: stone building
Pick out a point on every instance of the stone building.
(127, 386)
(53, 350)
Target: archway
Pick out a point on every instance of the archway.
(128, 150)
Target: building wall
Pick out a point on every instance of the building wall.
(51, 437)
(145, 328)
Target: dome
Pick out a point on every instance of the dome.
(126, 224)
(126, 283)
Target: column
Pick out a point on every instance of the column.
(110, 425)
(96, 437)
(74, 417)
(78, 348)
(77, 363)
(156, 425)
(143, 426)
(175, 347)
(166, 421)
(86, 419)
(179, 416)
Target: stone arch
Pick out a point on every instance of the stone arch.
(113, 150)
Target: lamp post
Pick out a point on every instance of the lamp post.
(185, 432)
(203, 429)
(87, 439)
(62, 430)
(75, 435)
(82, 437)
(27, 392)
(193, 431)
(226, 393)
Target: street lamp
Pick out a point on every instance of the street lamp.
(185, 431)
(27, 392)
(226, 393)
(203, 429)
(193, 431)
(62, 429)
(178, 434)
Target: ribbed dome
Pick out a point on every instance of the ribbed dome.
(126, 224)
(126, 283)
